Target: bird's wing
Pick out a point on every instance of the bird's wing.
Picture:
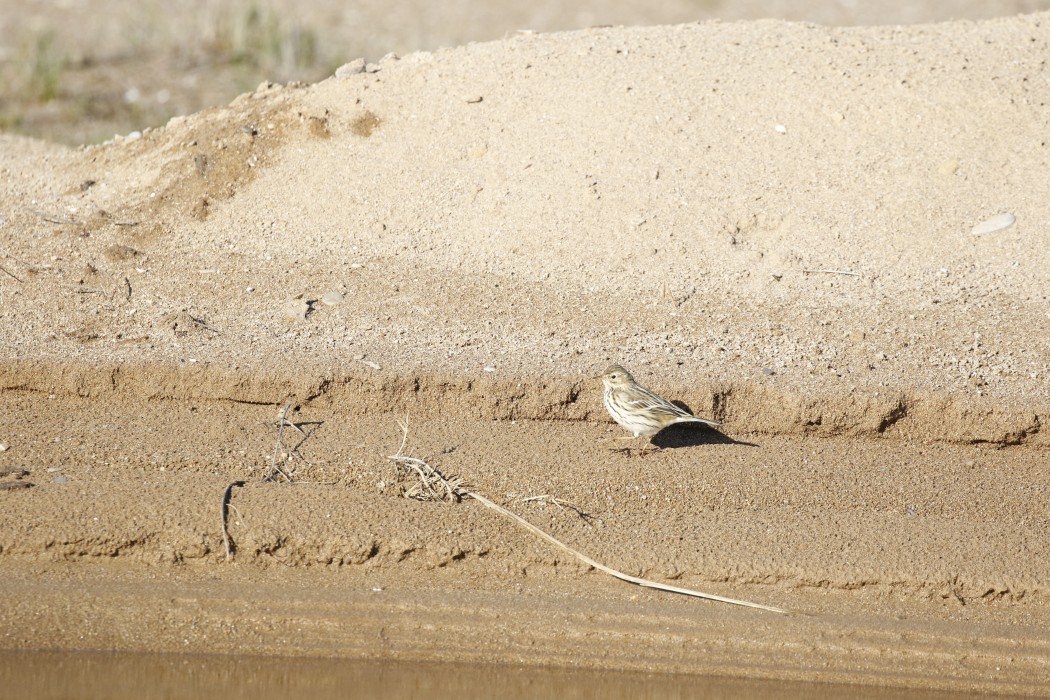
(658, 405)
(647, 400)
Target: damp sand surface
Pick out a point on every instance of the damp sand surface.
(889, 556)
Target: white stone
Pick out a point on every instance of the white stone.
(994, 224)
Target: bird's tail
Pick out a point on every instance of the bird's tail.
(694, 419)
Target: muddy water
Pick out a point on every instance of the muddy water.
(74, 675)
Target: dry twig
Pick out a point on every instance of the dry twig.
(547, 498)
(454, 490)
(831, 272)
(55, 219)
(613, 572)
(431, 485)
(225, 516)
(274, 468)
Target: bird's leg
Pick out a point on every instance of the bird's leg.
(624, 450)
(631, 450)
(648, 449)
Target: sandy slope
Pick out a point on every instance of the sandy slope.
(502, 220)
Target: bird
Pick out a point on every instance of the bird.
(639, 410)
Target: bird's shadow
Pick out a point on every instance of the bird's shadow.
(693, 435)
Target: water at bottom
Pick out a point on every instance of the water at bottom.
(47, 675)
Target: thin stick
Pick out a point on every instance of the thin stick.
(278, 470)
(832, 272)
(404, 437)
(547, 498)
(55, 220)
(9, 273)
(613, 572)
(202, 324)
(225, 515)
(277, 448)
(299, 430)
(274, 470)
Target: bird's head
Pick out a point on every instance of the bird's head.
(616, 376)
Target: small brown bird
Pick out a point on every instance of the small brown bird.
(639, 410)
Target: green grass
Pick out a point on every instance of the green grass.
(255, 35)
(45, 65)
(53, 87)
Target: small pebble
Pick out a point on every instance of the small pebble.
(488, 368)
(473, 99)
(295, 308)
(780, 129)
(352, 68)
(768, 371)
(332, 298)
(994, 224)
(3, 447)
(60, 480)
(371, 364)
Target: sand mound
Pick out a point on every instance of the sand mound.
(682, 199)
